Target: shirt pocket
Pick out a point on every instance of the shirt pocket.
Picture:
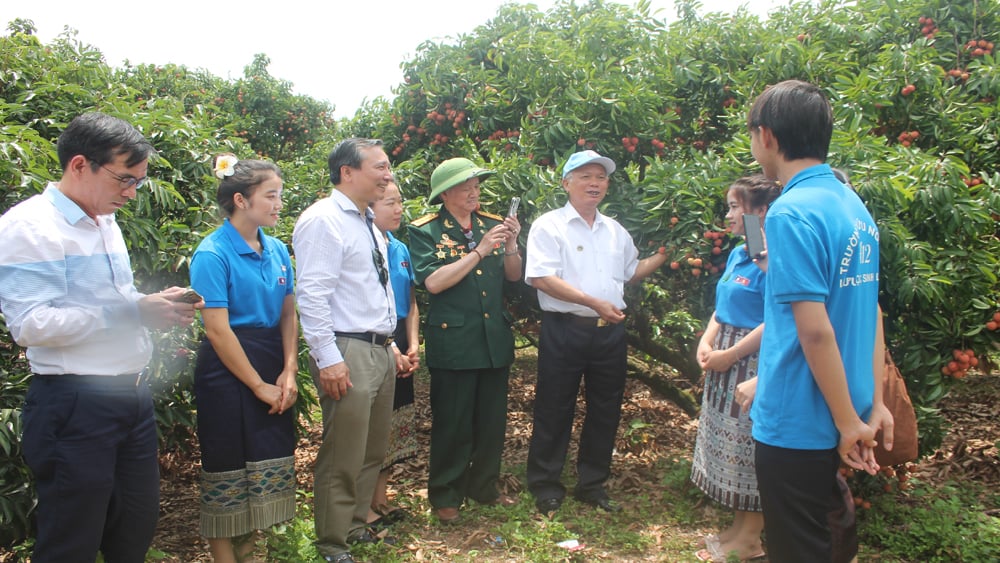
(611, 264)
(446, 319)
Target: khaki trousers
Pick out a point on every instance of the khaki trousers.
(355, 437)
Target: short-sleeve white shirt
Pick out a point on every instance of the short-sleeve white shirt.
(597, 259)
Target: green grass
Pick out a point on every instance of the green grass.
(495, 533)
(943, 524)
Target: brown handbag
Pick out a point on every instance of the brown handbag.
(897, 400)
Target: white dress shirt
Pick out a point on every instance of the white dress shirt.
(337, 283)
(597, 259)
(66, 289)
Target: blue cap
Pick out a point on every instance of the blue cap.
(578, 159)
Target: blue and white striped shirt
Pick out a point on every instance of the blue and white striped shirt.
(67, 291)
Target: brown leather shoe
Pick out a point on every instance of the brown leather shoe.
(447, 514)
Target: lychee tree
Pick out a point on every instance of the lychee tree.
(43, 87)
(914, 88)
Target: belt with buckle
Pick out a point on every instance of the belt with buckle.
(119, 380)
(372, 338)
(597, 322)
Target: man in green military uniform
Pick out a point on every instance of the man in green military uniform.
(462, 256)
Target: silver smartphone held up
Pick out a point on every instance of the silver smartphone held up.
(514, 203)
(755, 237)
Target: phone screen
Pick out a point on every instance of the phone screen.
(191, 296)
(514, 203)
(755, 238)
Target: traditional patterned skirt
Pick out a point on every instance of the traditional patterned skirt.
(247, 455)
(402, 436)
(723, 465)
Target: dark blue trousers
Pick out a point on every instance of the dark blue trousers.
(568, 352)
(91, 443)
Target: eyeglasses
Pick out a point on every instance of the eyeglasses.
(127, 182)
(383, 274)
(377, 257)
(468, 236)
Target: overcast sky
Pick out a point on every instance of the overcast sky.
(341, 51)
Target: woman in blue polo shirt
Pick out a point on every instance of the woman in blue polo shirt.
(723, 465)
(245, 384)
(403, 439)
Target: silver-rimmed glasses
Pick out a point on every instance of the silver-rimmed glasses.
(127, 182)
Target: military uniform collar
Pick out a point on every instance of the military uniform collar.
(449, 221)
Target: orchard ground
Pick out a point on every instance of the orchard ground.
(665, 515)
(649, 477)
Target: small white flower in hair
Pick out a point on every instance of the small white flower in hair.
(225, 166)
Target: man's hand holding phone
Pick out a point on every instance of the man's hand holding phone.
(514, 203)
(513, 228)
(191, 296)
(169, 308)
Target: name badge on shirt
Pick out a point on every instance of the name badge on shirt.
(742, 281)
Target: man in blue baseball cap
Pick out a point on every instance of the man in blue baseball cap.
(580, 261)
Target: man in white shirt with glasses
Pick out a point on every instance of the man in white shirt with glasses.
(68, 296)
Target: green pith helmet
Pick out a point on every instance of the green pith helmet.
(451, 173)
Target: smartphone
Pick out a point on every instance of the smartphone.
(191, 296)
(514, 203)
(755, 237)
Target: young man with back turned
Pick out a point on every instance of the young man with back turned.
(818, 398)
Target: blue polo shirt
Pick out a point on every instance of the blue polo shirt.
(739, 295)
(400, 275)
(229, 274)
(824, 248)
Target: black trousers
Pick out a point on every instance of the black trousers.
(91, 443)
(571, 349)
(798, 492)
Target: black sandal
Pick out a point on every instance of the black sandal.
(390, 515)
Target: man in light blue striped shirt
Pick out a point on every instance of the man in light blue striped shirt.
(67, 294)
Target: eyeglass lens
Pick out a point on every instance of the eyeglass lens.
(128, 182)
